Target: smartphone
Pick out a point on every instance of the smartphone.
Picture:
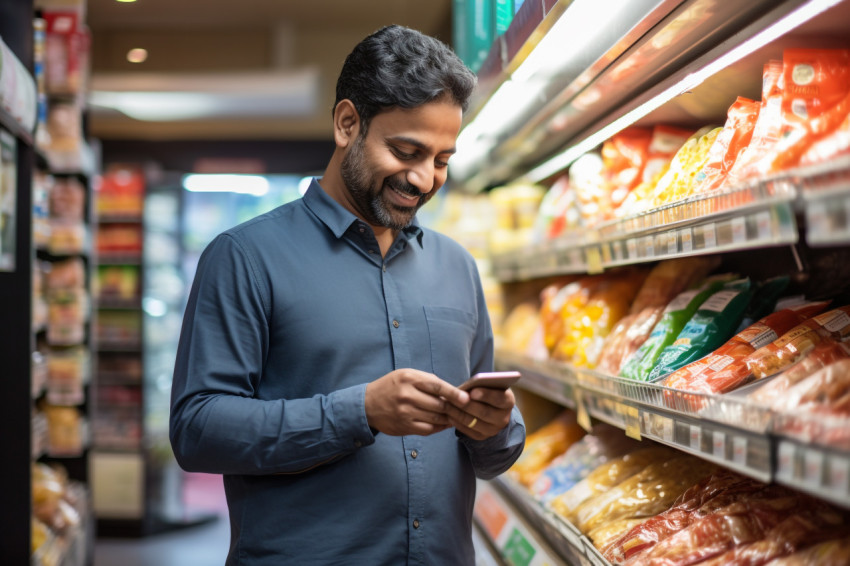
(493, 379)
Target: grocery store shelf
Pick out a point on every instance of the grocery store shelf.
(744, 218)
(811, 453)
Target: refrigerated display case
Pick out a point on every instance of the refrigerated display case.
(679, 63)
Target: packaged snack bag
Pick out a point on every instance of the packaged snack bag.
(765, 300)
(797, 342)
(831, 146)
(728, 145)
(606, 477)
(726, 368)
(766, 131)
(826, 391)
(825, 353)
(666, 280)
(624, 156)
(647, 493)
(832, 552)
(677, 312)
(593, 450)
(714, 492)
(712, 324)
(815, 100)
(543, 445)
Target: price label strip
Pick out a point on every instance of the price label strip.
(687, 240)
(785, 456)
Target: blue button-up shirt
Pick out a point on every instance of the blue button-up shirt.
(290, 315)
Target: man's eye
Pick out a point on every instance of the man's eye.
(403, 155)
(441, 164)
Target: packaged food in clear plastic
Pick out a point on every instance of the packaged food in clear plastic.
(544, 445)
(825, 353)
(834, 552)
(594, 449)
(647, 493)
(799, 341)
(606, 477)
(713, 492)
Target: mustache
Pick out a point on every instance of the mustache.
(405, 187)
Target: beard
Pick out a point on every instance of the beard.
(368, 193)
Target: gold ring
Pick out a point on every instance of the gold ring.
(473, 422)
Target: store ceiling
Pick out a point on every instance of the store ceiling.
(219, 69)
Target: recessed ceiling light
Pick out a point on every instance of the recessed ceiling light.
(137, 55)
(126, 1)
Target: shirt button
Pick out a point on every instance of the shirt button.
(414, 454)
(371, 251)
(358, 444)
(384, 268)
(395, 323)
(415, 523)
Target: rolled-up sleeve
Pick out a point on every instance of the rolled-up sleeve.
(217, 423)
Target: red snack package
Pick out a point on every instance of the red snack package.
(731, 141)
(726, 368)
(796, 343)
(825, 353)
(768, 127)
(815, 100)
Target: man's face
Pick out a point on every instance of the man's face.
(401, 162)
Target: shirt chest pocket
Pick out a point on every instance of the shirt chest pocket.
(451, 332)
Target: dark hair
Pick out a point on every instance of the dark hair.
(400, 67)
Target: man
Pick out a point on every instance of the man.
(323, 341)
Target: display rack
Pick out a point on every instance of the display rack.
(678, 63)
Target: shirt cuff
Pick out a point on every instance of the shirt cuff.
(349, 408)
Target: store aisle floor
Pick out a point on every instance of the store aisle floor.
(202, 545)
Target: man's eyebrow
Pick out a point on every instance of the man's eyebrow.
(418, 144)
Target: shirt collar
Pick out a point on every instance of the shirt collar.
(338, 219)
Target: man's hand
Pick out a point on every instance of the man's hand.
(409, 401)
(488, 413)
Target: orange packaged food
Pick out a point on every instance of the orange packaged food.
(726, 368)
(825, 353)
(766, 130)
(815, 100)
(796, 343)
(730, 142)
(544, 445)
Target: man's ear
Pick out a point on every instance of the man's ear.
(346, 123)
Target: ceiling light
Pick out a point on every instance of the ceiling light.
(125, 1)
(242, 184)
(137, 55)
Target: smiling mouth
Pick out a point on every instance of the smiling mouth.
(413, 199)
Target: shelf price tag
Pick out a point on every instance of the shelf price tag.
(785, 461)
(696, 438)
(606, 254)
(667, 429)
(672, 242)
(839, 474)
(739, 230)
(582, 417)
(764, 225)
(718, 444)
(687, 240)
(631, 248)
(813, 467)
(618, 251)
(709, 235)
(816, 221)
(594, 259)
(739, 450)
(490, 513)
(633, 423)
(649, 246)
